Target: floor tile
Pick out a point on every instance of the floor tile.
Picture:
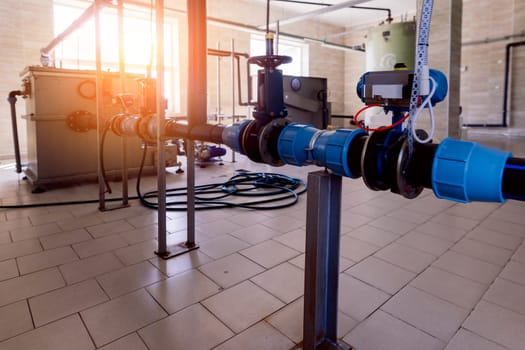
(178, 331)
(474, 210)
(295, 239)
(255, 234)
(80, 222)
(344, 263)
(68, 333)
(483, 251)
(98, 246)
(441, 231)
(425, 243)
(46, 259)
(393, 225)
(222, 245)
(261, 336)
(358, 299)
(269, 253)
(65, 238)
(465, 266)
(514, 215)
(502, 226)
(495, 238)
(348, 218)
(118, 317)
(8, 269)
(16, 224)
(182, 290)
(141, 234)
(16, 249)
(231, 270)
(455, 221)
(450, 287)
(14, 319)
(243, 305)
(498, 324)
(519, 254)
(285, 281)
(5, 237)
(283, 224)
(355, 249)
(137, 252)
(91, 267)
(181, 263)
(426, 312)
(65, 301)
(109, 228)
(129, 342)
(373, 235)
(218, 227)
(23, 287)
(246, 219)
(380, 274)
(47, 218)
(428, 205)
(408, 258)
(411, 216)
(130, 278)
(507, 294)
(143, 220)
(381, 331)
(513, 271)
(25, 233)
(465, 340)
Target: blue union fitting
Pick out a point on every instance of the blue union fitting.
(301, 145)
(231, 136)
(465, 171)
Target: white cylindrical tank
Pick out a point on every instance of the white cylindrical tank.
(390, 44)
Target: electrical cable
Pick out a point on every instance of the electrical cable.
(426, 102)
(272, 188)
(382, 128)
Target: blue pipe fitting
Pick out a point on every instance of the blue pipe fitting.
(465, 171)
(442, 86)
(301, 145)
(231, 136)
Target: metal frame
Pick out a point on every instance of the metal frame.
(323, 214)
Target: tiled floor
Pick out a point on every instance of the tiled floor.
(415, 274)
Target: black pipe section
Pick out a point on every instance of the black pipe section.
(12, 102)
(388, 19)
(503, 124)
(513, 183)
(419, 169)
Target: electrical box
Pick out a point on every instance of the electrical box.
(61, 125)
(305, 99)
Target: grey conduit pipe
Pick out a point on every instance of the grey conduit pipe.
(12, 103)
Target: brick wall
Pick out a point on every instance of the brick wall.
(26, 25)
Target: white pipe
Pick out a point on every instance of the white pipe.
(316, 13)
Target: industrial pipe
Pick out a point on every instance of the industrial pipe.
(12, 103)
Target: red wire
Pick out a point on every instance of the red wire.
(382, 128)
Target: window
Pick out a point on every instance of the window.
(78, 51)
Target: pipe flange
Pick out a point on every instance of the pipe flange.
(268, 139)
(249, 142)
(371, 161)
(401, 186)
(81, 121)
(142, 129)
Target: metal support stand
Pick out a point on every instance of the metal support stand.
(323, 213)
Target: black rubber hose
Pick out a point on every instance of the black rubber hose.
(12, 102)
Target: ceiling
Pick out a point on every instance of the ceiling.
(345, 17)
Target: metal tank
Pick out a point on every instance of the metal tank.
(390, 44)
